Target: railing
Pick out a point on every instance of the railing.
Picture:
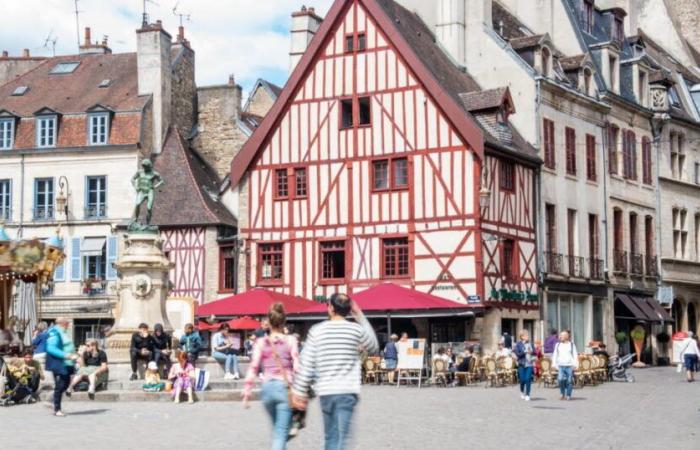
(595, 266)
(636, 264)
(43, 212)
(95, 211)
(576, 264)
(652, 266)
(554, 263)
(620, 261)
(47, 289)
(94, 286)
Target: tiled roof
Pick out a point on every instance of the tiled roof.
(78, 91)
(480, 100)
(505, 23)
(524, 42)
(572, 62)
(190, 193)
(662, 57)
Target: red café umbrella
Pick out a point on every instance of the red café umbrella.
(244, 323)
(255, 302)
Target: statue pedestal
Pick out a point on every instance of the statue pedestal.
(142, 289)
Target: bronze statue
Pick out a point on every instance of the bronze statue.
(146, 181)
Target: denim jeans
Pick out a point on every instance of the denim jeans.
(276, 401)
(565, 378)
(525, 378)
(230, 361)
(158, 357)
(337, 419)
(61, 383)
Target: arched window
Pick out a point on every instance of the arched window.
(587, 76)
(546, 55)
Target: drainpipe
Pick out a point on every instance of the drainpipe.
(21, 198)
(657, 125)
(539, 241)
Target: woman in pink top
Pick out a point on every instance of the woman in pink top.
(182, 375)
(278, 355)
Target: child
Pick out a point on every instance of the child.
(182, 375)
(153, 383)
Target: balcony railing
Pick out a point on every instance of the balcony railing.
(636, 264)
(576, 264)
(652, 266)
(620, 261)
(95, 211)
(554, 263)
(43, 212)
(595, 266)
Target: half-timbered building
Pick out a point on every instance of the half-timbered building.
(382, 160)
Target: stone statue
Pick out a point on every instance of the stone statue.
(145, 181)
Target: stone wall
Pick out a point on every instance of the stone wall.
(260, 103)
(184, 89)
(13, 67)
(687, 14)
(211, 265)
(243, 223)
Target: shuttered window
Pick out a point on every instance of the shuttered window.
(591, 174)
(570, 151)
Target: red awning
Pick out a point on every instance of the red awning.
(390, 297)
(255, 302)
(203, 326)
(244, 323)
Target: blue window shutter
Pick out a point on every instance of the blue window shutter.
(60, 273)
(75, 269)
(111, 257)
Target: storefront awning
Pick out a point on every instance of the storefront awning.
(644, 308)
(659, 311)
(92, 246)
(630, 304)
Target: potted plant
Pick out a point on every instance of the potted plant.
(663, 338)
(620, 337)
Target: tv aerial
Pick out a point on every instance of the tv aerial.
(50, 40)
(145, 12)
(182, 16)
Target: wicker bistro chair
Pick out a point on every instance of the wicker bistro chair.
(372, 371)
(471, 375)
(547, 376)
(602, 370)
(506, 369)
(491, 373)
(584, 371)
(440, 372)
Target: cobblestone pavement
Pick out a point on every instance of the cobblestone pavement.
(659, 411)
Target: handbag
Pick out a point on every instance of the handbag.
(679, 368)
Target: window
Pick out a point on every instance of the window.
(587, 81)
(20, 90)
(390, 174)
(618, 29)
(570, 151)
(43, 198)
(281, 184)
(5, 200)
(697, 237)
(95, 267)
(227, 268)
(99, 128)
(617, 230)
(593, 236)
(353, 42)
(333, 261)
(570, 313)
(629, 155)
(649, 236)
(642, 88)
(46, 131)
(680, 233)
(591, 174)
(300, 182)
(548, 140)
(572, 231)
(105, 83)
(684, 233)
(613, 138)
(612, 74)
(270, 262)
(64, 67)
(349, 43)
(96, 200)
(634, 248)
(697, 173)
(509, 264)
(395, 253)
(681, 156)
(646, 161)
(348, 108)
(507, 176)
(551, 227)
(7, 131)
(587, 15)
(545, 61)
(361, 42)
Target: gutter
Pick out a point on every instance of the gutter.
(21, 199)
(539, 241)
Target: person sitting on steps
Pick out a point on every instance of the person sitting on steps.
(182, 377)
(93, 366)
(225, 350)
(141, 348)
(162, 348)
(191, 343)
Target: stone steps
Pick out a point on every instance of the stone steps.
(108, 396)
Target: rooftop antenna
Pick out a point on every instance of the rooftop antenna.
(77, 23)
(144, 21)
(50, 39)
(182, 16)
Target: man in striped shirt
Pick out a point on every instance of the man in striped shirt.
(331, 355)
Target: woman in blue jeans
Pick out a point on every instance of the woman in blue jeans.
(60, 360)
(278, 354)
(225, 351)
(525, 353)
(565, 359)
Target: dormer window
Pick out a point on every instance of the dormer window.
(546, 56)
(613, 72)
(618, 29)
(587, 81)
(587, 15)
(98, 128)
(46, 131)
(7, 133)
(642, 87)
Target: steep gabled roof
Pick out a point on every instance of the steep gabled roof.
(524, 42)
(413, 41)
(488, 99)
(190, 193)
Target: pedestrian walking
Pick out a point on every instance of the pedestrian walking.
(550, 343)
(565, 359)
(60, 360)
(332, 356)
(391, 357)
(689, 356)
(525, 353)
(278, 354)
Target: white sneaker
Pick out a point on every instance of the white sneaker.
(527, 398)
(522, 396)
(229, 376)
(236, 376)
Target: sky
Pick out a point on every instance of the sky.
(246, 38)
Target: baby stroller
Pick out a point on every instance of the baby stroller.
(15, 393)
(617, 368)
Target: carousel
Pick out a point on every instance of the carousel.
(25, 266)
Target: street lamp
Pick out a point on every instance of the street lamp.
(484, 197)
(62, 198)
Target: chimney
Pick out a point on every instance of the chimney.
(153, 46)
(305, 23)
(450, 28)
(25, 53)
(232, 80)
(90, 48)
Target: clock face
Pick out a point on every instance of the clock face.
(142, 285)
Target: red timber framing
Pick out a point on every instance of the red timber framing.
(412, 118)
(186, 248)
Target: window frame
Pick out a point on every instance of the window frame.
(266, 248)
(101, 180)
(507, 176)
(296, 171)
(550, 157)
(591, 158)
(587, 8)
(49, 199)
(647, 177)
(397, 257)
(570, 145)
(6, 199)
(41, 121)
(322, 279)
(613, 149)
(7, 128)
(351, 44)
(223, 248)
(550, 221)
(512, 274)
(91, 136)
(355, 121)
(391, 175)
(276, 190)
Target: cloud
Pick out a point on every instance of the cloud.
(247, 38)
